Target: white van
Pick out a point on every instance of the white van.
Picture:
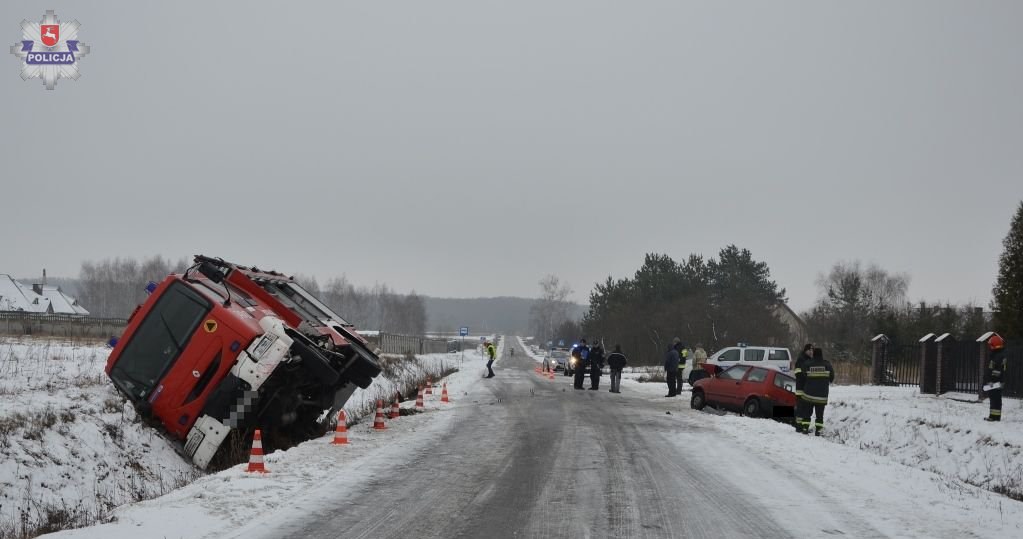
(774, 357)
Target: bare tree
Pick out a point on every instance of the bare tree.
(550, 310)
(113, 287)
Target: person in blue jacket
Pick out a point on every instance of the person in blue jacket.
(581, 353)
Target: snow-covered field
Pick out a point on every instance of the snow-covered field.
(71, 448)
(934, 452)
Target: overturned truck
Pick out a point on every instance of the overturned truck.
(223, 349)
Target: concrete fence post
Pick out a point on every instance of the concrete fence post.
(878, 358)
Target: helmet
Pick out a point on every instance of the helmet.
(996, 342)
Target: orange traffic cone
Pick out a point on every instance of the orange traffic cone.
(419, 400)
(550, 375)
(378, 422)
(429, 388)
(536, 369)
(341, 433)
(395, 408)
(444, 394)
(256, 455)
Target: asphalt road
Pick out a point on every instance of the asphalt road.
(535, 458)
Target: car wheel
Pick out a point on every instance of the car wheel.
(698, 401)
(752, 407)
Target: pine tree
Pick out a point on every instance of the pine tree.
(1007, 301)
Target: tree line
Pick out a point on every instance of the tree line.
(113, 287)
(712, 302)
(720, 302)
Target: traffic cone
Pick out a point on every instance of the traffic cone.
(395, 409)
(550, 375)
(419, 400)
(444, 394)
(378, 422)
(341, 432)
(429, 388)
(256, 455)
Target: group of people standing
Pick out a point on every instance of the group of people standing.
(675, 362)
(592, 358)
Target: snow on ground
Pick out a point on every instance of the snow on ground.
(941, 434)
(71, 448)
(915, 456)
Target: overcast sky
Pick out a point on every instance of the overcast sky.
(389, 141)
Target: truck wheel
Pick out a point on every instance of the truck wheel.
(698, 401)
(752, 407)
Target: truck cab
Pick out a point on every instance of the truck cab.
(225, 348)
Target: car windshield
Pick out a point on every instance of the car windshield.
(159, 339)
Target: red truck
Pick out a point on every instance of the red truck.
(223, 349)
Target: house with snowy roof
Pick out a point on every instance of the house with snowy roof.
(37, 298)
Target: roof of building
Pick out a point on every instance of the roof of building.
(14, 296)
(18, 297)
(61, 302)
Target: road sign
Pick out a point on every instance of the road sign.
(463, 331)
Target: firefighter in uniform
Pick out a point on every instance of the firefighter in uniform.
(817, 376)
(683, 355)
(802, 405)
(995, 371)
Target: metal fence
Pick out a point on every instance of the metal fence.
(900, 365)
(59, 325)
(944, 365)
(390, 343)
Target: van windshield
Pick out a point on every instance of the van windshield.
(159, 340)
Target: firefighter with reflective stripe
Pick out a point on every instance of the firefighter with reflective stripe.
(802, 405)
(817, 376)
(683, 355)
(993, 375)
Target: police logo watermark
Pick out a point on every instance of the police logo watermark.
(49, 50)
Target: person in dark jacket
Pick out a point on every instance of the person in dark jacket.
(581, 353)
(802, 405)
(671, 359)
(596, 365)
(817, 376)
(993, 376)
(616, 361)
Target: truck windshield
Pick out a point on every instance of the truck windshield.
(159, 339)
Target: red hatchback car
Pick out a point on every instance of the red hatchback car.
(753, 391)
